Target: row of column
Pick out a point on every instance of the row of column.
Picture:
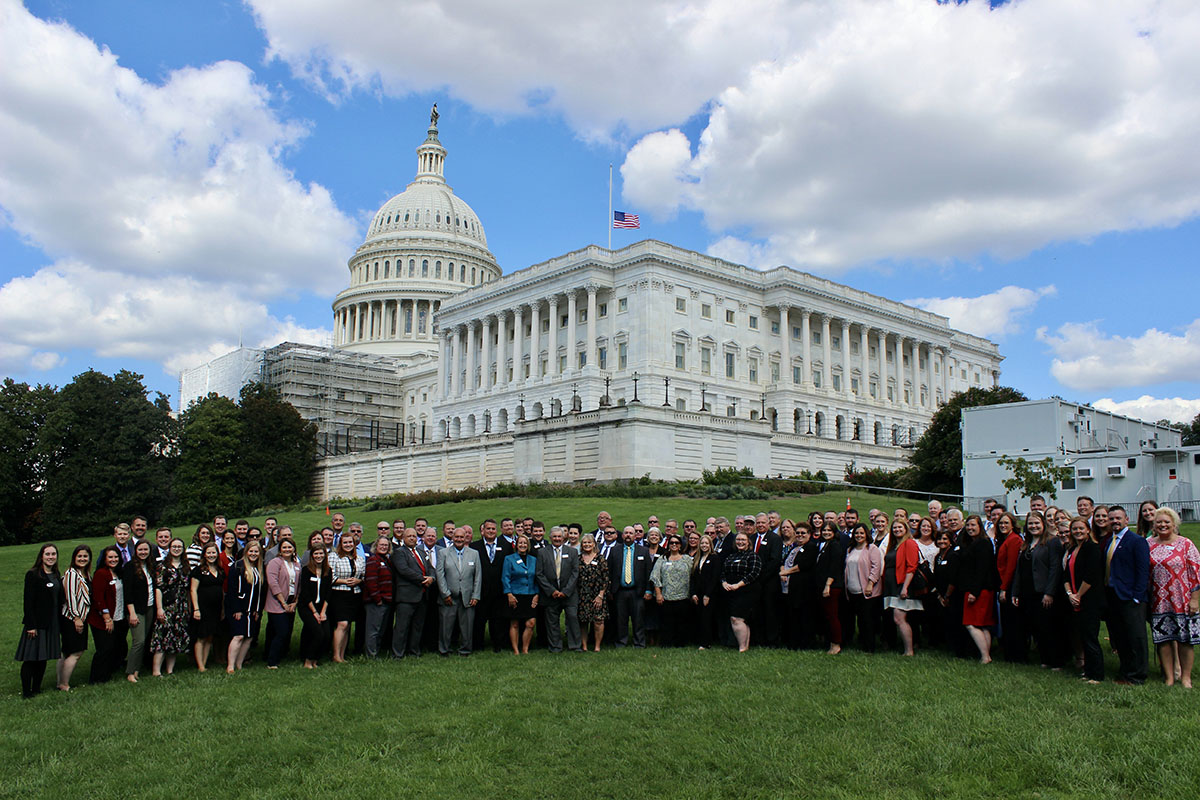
(468, 348)
(385, 320)
(899, 345)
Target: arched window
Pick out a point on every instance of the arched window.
(376, 270)
(437, 269)
(412, 267)
(406, 216)
(472, 276)
(425, 268)
(386, 268)
(462, 273)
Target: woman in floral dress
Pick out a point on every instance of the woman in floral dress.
(1175, 597)
(172, 585)
(593, 591)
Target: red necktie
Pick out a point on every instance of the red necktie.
(420, 563)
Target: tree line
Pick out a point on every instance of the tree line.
(75, 459)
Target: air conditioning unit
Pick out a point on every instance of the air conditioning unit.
(1083, 473)
(1116, 470)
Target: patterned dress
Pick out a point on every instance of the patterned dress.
(592, 580)
(1174, 575)
(171, 633)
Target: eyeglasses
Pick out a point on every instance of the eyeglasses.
(383, 527)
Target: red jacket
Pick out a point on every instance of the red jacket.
(377, 581)
(908, 555)
(104, 597)
(1007, 556)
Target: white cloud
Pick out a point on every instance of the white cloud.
(1088, 358)
(154, 196)
(176, 320)
(640, 64)
(911, 129)
(990, 315)
(1152, 409)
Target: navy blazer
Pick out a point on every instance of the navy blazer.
(1129, 569)
(641, 566)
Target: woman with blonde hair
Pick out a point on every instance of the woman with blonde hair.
(1175, 595)
(243, 603)
(1083, 580)
(899, 564)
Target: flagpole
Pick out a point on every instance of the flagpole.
(610, 216)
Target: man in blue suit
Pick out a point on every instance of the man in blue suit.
(1127, 573)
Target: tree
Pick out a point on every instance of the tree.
(22, 412)
(1034, 477)
(209, 471)
(1191, 432)
(280, 448)
(938, 453)
(108, 453)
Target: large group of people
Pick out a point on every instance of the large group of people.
(978, 586)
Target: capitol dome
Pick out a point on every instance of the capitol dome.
(422, 246)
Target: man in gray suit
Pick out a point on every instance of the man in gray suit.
(460, 582)
(557, 571)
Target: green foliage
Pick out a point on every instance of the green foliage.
(234, 457)
(22, 412)
(880, 478)
(107, 451)
(1191, 431)
(937, 456)
(1034, 477)
(725, 475)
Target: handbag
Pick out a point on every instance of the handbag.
(922, 580)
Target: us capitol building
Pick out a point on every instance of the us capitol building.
(596, 365)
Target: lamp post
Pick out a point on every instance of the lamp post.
(636, 377)
(606, 400)
(703, 404)
(666, 392)
(447, 429)
(521, 407)
(733, 405)
(762, 408)
(574, 397)
(809, 414)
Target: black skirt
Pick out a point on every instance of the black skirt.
(524, 609)
(344, 606)
(43, 647)
(72, 642)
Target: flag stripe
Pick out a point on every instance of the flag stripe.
(623, 220)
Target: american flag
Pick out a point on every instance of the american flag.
(623, 220)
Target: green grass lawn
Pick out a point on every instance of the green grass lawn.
(650, 723)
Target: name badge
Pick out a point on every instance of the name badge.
(641, 558)
(314, 578)
(565, 556)
(50, 585)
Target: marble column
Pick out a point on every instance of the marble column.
(518, 356)
(455, 354)
(826, 355)
(806, 348)
(846, 357)
(552, 344)
(590, 350)
(470, 365)
(572, 307)
(502, 349)
(485, 354)
(785, 347)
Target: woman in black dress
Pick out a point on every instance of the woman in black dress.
(77, 600)
(799, 569)
(313, 605)
(39, 641)
(208, 597)
(706, 581)
(1083, 577)
(243, 603)
(830, 572)
(739, 575)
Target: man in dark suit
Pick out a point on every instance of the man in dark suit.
(1127, 574)
(629, 573)
(557, 573)
(413, 575)
(490, 611)
(769, 547)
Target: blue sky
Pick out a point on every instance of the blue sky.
(175, 178)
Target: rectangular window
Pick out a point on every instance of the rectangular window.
(563, 320)
(816, 378)
(816, 337)
(681, 304)
(729, 316)
(583, 315)
(774, 372)
(562, 363)
(622, 355)
(873, 351)
(796, 332)
(729, 365)
(680, 355)
(837, 383)
(854, 385)
(545, 326)
(602, 310)
(774, 327)
(891, 356)
(795, 374)
(706, 360)
(874, 389)
(891, 393)
(853, 348)
(754, 370)
(622, 304)
(582, 359)
(706, 310)
(602, 357)
(753, 322)
(836, 342)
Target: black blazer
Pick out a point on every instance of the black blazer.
(408, 577)
(803, 583)
(706, 581)
(831, 563)
(1046, 570)
(136, 593)
(946, 570)
(641, 566)
(1089, 569)
(311, 587)
(771, 553)
(490, 585)
(43, 596)
(977, 567)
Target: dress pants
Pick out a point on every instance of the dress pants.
(459, 614)
(377, 618)
(552, 607)
(864, 610)
(1085, 622)
(279, 636)
(139, 636)
(406, 634)
(490, 613)
(629, 607)
(314, 636)
(1127, 632)
(111, 651)
(675, 623)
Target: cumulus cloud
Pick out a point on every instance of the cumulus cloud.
(176, 320)
(139, 190)
(994, 314)
(1152, 409)
(911, 129)
(1087, 358)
